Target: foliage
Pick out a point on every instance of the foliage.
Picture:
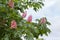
(9, 12)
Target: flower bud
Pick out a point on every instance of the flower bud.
(11, 3)
(29, 18)
(13, 24)
(24, 14)
(43, 20)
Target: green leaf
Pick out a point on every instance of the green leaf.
(48, 23)
(6, 37)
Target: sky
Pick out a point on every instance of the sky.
(53, 14)
(51, 10)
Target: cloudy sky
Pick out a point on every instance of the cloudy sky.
(52, 11)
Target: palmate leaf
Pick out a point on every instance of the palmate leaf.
(29, 36)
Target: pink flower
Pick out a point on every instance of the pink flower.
(43, 20)
(24, 14)
(11, 3)
(13, 24)
(29, 18)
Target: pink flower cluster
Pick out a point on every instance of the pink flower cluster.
(13, 24)
(43, 20)
(11, 3)
(29, 19)
(24, 14)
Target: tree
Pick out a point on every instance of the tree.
(13, 25)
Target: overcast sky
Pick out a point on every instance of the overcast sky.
(53, 14)
(52, 11)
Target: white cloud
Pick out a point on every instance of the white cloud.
(49, 3)
(55, 27)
